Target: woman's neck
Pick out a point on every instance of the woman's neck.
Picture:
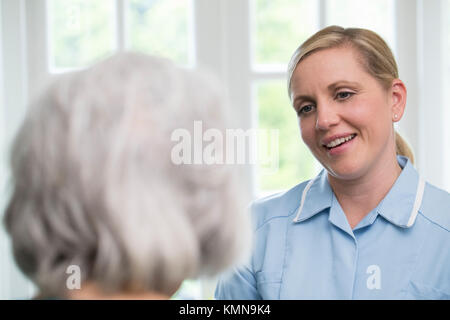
(360, 196)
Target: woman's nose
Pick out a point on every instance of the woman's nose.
(327, 117)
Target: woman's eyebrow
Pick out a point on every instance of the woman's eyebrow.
(339, 83)
(303, 98)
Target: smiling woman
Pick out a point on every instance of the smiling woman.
(368, 226)
(346, 102)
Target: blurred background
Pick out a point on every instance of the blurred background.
(246, 44)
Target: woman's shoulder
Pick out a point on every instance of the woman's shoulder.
(436, 206)
(278, 205)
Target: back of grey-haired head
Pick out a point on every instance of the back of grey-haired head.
(94, 184)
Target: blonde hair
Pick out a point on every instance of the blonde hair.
(377, 59)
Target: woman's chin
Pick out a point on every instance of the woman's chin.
(348, 170)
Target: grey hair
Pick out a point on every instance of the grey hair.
(93, 183)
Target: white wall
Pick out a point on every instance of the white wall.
(430, 92)
(3, 247)
(14, 71)
(445, 54)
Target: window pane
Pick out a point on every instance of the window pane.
(160, 27)
(296, 162)
(81, 32)
(280, 26)
(369, 14)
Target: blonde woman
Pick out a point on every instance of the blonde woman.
(368, 226)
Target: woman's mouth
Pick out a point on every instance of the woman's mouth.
(339, 145)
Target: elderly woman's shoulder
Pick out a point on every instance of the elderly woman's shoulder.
(436, 206)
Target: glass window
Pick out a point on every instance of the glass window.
(368, 14)
(160, 27)
(279, 27)
(295, 161)
(80, 32)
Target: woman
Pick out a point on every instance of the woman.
(99, 210)
(367, 227)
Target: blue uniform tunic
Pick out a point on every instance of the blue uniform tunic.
(305, 249)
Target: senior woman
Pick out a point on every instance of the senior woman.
(368, 226)
(95, 185)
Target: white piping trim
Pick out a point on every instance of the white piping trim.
(305, 191)
(417, 202)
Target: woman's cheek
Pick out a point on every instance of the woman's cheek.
(308, 135)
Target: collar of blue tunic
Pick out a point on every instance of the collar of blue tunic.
(400, 206)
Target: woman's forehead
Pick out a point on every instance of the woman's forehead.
(330, 61)
(327, 67)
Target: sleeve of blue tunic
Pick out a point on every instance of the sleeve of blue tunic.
(239, 285)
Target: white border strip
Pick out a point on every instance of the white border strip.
(417, 202)
(305, 191)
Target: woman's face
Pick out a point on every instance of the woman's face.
(345, 114)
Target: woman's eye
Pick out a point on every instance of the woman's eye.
(344, 95)
(305, 109)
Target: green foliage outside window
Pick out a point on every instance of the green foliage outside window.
(280, 27)
(81, 32)
(160, 27)
(296, 162)
(368, 14)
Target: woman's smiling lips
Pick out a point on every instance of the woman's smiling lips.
(338, 144)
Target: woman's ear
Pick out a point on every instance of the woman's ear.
(398, 99)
